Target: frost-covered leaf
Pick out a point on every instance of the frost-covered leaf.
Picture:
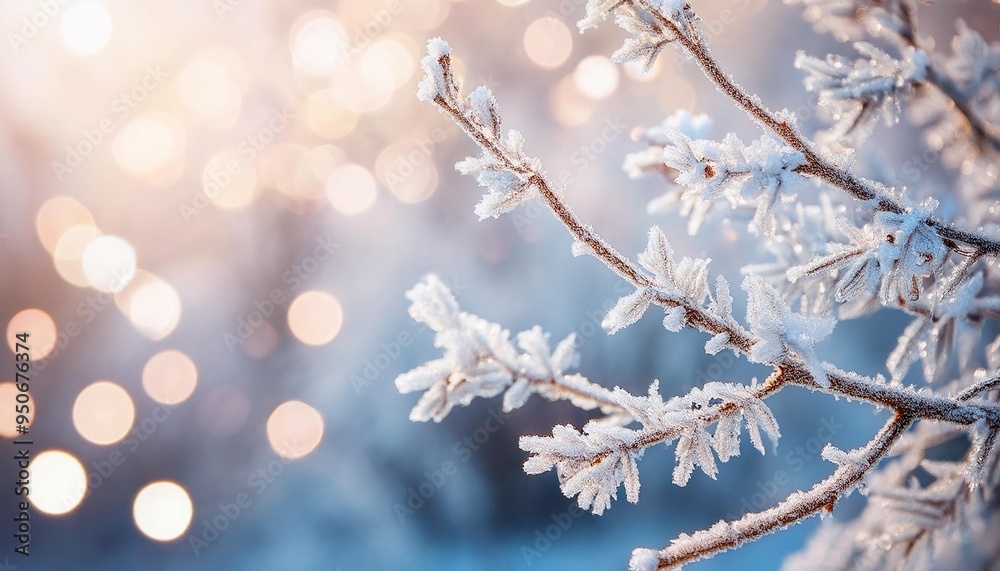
(858, 92)
(628, 310)
(485, 109)
(644, 43)
(644, 559)
(658, 257)
(759, 175)
(716, 343)
(517, 395)
(839, 457)
(650, 160)
(438, 80)
(910, 250)
(692, 279)
(984, 439)
(780, 329)
(694, 448)
(726, 439)
(674, 319)
(592, 464)
(722, 306)
(480, 361)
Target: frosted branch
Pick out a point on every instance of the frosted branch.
(820, 498)
(682, 27)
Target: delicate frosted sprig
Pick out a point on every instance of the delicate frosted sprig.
(857, 93)
(481, 361)
(759, 175)
(781, 330)
(593, 464)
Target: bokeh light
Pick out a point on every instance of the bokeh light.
(68, 254)
(351, 189)
(151, 304)
(406, 169)
(162, 511)
(388, 65)
(229, 182)
(328, 117)
(548, 42)
(58, 214)
(294, 429)
(58, 482)
(8, 414)
(596, 77)
(86, 27)
(315, 317)
(103, 413)
(109, 263)
(568, 105)
(41, 330)
(147, 143)
(352, 88)
(169, 377)
(318, 43)
(208, 87)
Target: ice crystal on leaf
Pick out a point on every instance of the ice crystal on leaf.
(781, 330)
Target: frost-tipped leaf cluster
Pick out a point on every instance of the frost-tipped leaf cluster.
(594, 463)
(681, 285)
(891, 256)
(759, 175)
(481, 361)
(781, 330)
(503, 168)
(858, 92)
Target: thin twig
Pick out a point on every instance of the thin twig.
(983, 386)
(821, 497)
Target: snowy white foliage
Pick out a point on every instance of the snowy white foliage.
(858, 93)
(781, 330)
(481, 361)
(594, 463)
(760, 175)
(842, 246)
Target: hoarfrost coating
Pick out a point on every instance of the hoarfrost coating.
(864, 246)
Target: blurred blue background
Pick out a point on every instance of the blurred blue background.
(245, 153)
